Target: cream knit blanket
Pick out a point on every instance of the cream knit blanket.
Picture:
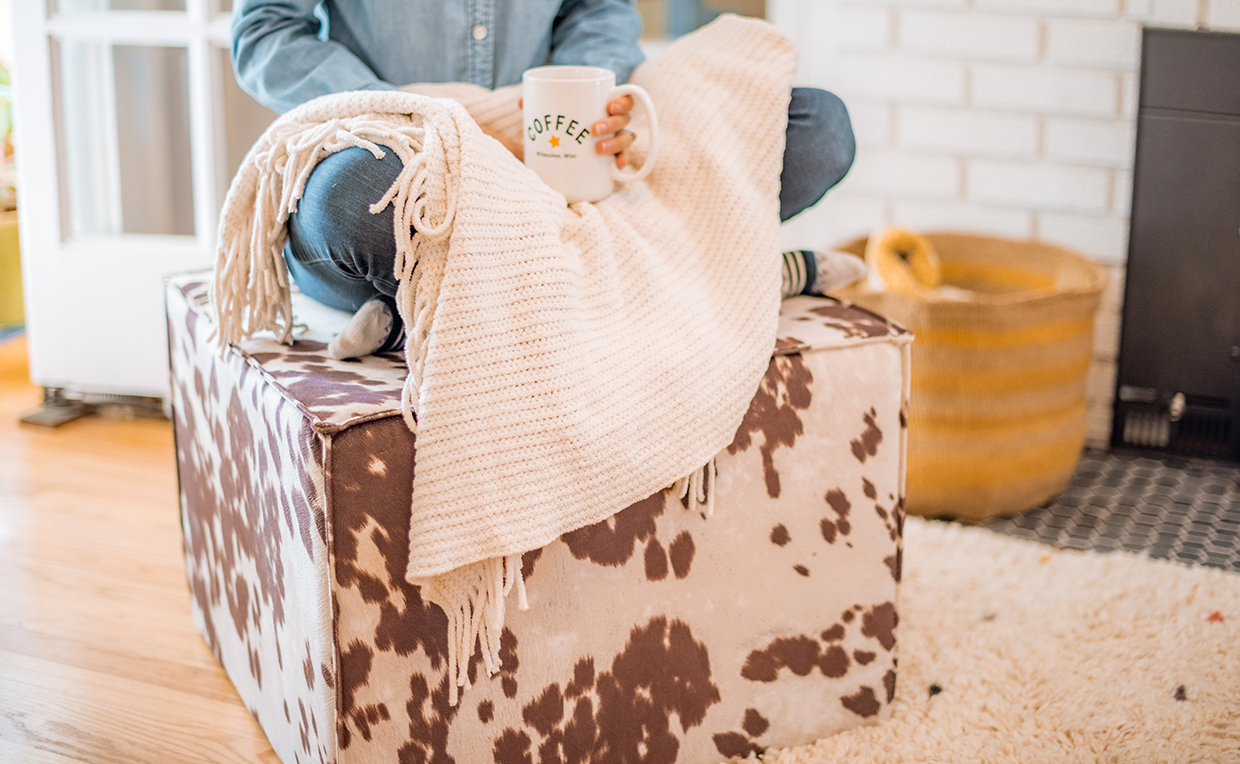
(565, 361)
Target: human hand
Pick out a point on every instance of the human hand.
(618, 117)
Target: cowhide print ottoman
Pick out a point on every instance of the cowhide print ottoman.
(659, 636)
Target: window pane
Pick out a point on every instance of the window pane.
(85, 6)
(668, 19)
(244, 121)
(127, 164)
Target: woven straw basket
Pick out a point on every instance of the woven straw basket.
(997, 409)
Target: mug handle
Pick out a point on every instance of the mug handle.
(628, 175)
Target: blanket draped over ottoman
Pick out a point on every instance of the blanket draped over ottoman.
(564, 361)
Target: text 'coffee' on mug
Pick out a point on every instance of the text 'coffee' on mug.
(561, 103)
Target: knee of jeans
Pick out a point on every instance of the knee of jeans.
(333, 215)
(832, 146)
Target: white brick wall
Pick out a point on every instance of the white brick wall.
(968, 132)
(898, 78)
(1128, 96)
(1097, 143)
(1046, 90)
(863, 30)
(1086, 42)
(956, 4)
(969, 35)
(1104, 239)
(871, 124)
(906, 175)
(1177, 13)
(848, 217)
(1223, 14)
(1040, 186)
(1121, 194)
(1008, 117)
(1101, 8)
(972, 218)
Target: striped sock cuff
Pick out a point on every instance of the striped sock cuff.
(800, 272)
(811, 271)
(793, 273)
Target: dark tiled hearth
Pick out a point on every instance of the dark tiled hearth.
(1167, 507)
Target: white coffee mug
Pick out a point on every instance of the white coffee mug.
(561, 103)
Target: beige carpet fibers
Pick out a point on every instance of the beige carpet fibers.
(1012, 651)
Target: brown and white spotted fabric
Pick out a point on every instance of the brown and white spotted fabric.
(659, 636)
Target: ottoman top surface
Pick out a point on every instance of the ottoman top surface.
(336, 395)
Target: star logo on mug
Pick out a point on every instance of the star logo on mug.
(555, 140)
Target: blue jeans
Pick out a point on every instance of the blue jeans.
(341, 255)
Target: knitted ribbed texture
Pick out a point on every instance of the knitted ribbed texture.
(565, 361)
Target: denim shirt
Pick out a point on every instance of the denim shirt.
(282, 58)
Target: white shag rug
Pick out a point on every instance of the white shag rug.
(1012, 651)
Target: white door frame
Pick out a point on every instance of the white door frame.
(94, 304)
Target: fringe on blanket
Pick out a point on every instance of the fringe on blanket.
(699, 486)
(478, 592)
(250, 291)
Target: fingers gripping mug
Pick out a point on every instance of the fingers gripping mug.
(561, 103)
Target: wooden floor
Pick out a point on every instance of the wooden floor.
(99, 659)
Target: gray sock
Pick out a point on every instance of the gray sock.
(366, 332)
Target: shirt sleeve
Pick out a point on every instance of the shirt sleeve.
(598, 33)
(280, 60)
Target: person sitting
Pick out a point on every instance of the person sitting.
(287, 52)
